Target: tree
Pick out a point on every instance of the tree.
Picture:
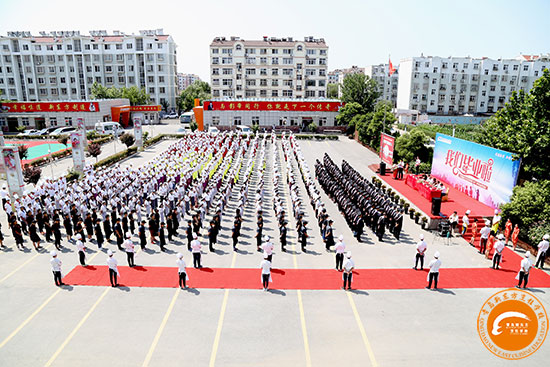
(332, 90)
(198, 89)
(522, 127)
(165, 105)
(127, 139)
(95, 150)
(21, 128)
(136, 96)
(63, 139)
(312, 127)
(346, 115)
(412, 145)
(371, 125)
(31, 174)
(23, 151)
(360, 88)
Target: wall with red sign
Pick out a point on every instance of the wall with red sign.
(303, 106)
(49, 107)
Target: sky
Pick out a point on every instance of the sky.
(357, 32)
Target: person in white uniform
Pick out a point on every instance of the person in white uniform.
(265, 265)
(542, 251)
(421, 248)
(499, 247)
(130, 251)
(484, 236)
(349, 265)
(56, 268)
(433, 275)
(524, 268)
(465, 222)
(80, 248)
(268, 248)
(340, 250)
(196, 250)
(113, 269)
(182, 272)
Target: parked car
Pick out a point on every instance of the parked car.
(171, 115)
(47, 131)
(109, 127)
(243, 129)
(63, 130)
(213, 130)
(29, 132)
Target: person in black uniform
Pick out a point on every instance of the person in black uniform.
(56, 229)
(189, 234)
(153, 229)
(398, 224)
(119, 235)
(235, 234)
(47, 227)
(381, 228)
(88, 222)
(212, 235)
(33, 233)
(98, 234)
(259, 231)
(175, 223)
(197, 224)
(169, 226)
(142, 236)
(17, 234)
(162, 241)
(303, 235)
(282, 237)
(132, 221)
(107, 228)
(125, 224)
(329, 236)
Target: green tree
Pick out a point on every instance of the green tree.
(136, 96)
(332, 90)
(23, 151)
(95, 150)
(374, 123)
(198, 89)
(360, 88)
(127, 139)
(523, 128)
(411, 145)
(346, 115)
(99, 91)
(31, 174)
(165, 105)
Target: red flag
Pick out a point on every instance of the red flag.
(391, 68)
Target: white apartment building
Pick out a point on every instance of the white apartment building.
(460, 85)
(268, 68)
(387, 85)
(62, 66)
(185, 80)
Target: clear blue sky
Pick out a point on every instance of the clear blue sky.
(357, 32)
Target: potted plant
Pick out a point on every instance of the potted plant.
(416, 217)
(411, 213)
(406, 207)
(424, 222)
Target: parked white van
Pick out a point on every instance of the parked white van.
(109, 127)
(243, 129)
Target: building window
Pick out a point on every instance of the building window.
(25, 121)
(68, 121)
(53, 121)
(255, 120)
(274, 93)
(215, 120)
(237, 120)
(299, 48)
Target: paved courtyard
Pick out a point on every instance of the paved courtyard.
(90, 326)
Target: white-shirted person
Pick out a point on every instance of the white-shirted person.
(113, 269)
(349, 265)
(130, 251)
(433, 275)
(196, 250)
(182, 272)
(56, 268)
(421, 248)
(340, 249)
(499, 247)
(265, 265)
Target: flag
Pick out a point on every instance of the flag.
(391, 68)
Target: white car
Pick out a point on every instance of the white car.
(171, 115)
(63, 130)
(29, 132)
(213, 130)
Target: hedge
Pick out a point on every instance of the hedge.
(116, 157)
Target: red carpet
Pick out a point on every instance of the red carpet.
(457, 200)
(327, 279)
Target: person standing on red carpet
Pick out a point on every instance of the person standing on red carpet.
(129, 247)
(474, 232)
(182, 272)
(453, 219)
(484, 233)
(465, 222)
(490, 244)
(499, 247)
(80, 248)
(265, 265)
(433, 275)
(340, 250)
(421, 248)
(268, 248)
(56, 268)
(508, 231)
(542, 251)
(196, 250)
(113, 269)
(525, 267)
(515, 237)
(349, 265)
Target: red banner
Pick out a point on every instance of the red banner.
(305, 106)
(386, 148)
(155, 108)
(49, 107)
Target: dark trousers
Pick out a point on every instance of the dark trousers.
(265, 280)
(496, 260)
(541, 259)
(421, 258)
(270, 258)
(130, 256)
(57, 277)
(339, 261)
(235, 241)
(112, 277)
(347, 279)
(433, 277)
(82, 257)
(523, 277)
(182, 280)
(197, 259)
(57, 243)
(283, 244)
(483, 245)
(211, 244)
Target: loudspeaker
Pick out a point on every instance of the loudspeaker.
(382, 169)
(436, 206)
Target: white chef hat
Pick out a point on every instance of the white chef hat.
(78, 236)
(546, 236)
(53, 253)
(265, 255)
(109, 252)
(128, 235)
(501, 236)
(421, 236)
(179, 255)
(348, 254)
(496, 211)
(436, 255)
(487, 223)
(527, 254)
(468, 211)
(194, 236)
(266, 238)
(341, 237)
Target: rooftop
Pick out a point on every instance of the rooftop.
(270, 42)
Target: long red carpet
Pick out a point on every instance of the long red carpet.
(322, 279)
(457, 200)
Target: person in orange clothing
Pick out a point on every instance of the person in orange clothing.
(515, 236)
(508, 230)
(490, 244)
(474, 232)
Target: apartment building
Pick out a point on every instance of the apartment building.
(387, 85)
(465, 85)
(268, 68)
(62, 66)
(185, 80)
